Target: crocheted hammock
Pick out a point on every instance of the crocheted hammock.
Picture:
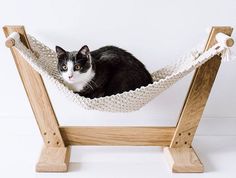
(44, 61)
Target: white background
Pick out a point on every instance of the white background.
(156, 32)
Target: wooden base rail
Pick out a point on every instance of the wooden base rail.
(114, 136)
(177, 140)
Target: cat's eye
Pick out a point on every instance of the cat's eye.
(77, 67)
(64, 67)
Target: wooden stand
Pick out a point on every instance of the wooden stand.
(176, 140)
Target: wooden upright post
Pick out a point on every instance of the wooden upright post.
(181, 154)
(50, 160)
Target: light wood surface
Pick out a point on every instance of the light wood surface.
(136, 136)
(198, 94)
(10, 43)
(230, 42)
(225, 39)
(54, 156)
(180, 154)
(183, 160)
(54, 159)
(37, 93)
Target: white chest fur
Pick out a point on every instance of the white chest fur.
(82, 81)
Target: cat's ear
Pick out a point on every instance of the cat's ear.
(60, 51)
(84, 50)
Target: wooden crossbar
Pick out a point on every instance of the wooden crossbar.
(177, 140)
(117, 136)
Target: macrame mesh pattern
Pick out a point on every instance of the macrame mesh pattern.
(44, 61)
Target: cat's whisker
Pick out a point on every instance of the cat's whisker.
(87, 83)
(92, 82)
(90, 86)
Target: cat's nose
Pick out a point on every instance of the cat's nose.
(70, 76)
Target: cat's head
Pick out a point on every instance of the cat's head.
(74, 66)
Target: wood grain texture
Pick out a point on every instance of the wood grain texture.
(198, 94)
(183, 160)
(37, 93)
(54, 159)
(133, 136)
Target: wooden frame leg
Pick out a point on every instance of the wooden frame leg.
(180, 153)
(183, 160)
(53, 159)
(54, 156)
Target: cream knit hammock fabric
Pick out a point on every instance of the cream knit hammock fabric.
(44, 61)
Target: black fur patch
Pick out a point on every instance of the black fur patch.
(115, 69)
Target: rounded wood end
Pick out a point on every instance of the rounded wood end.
(230, 42)
(10, 43)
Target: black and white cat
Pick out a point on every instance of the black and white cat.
(103, 72)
